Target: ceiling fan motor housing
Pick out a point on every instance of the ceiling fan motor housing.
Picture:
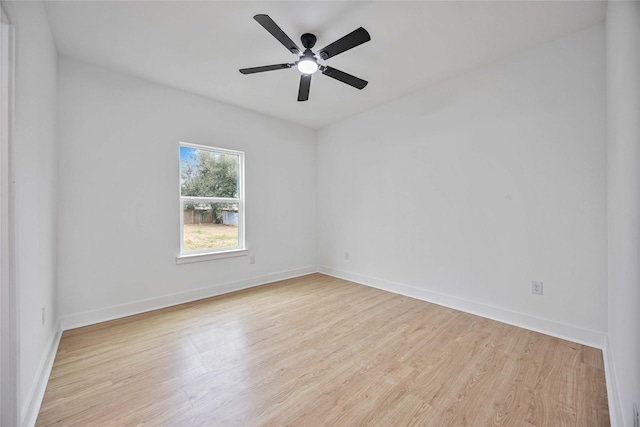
(308, 40)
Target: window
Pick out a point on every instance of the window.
(211, 202)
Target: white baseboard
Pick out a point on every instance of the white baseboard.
(536, 324)
(31, 406)
(116, 312)
(615, 414)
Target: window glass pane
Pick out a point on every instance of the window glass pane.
(209, 225)
(205, 173)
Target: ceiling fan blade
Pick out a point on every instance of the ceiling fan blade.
(344, 77)
(277, 32)
(305, 84)
(265, 68)
(351, 40)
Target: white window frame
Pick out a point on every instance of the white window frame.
(213, 253)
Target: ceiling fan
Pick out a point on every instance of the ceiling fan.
(308, 62)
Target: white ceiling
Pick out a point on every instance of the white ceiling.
(198, 46)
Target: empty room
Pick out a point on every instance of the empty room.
(320, 213)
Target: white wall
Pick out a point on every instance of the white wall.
(119, 207)
(465, 192)
(623, 136)
(34, 167)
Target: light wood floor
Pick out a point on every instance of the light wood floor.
(320, 351)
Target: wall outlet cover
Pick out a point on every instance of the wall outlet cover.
(536, 288)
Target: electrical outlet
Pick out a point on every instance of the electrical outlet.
(636, 416)
(43, 315)
(536, 288)
(252, 259)
(346, 255)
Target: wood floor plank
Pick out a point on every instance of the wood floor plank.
(317, 350)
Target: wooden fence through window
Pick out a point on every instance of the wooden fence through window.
(192, 216)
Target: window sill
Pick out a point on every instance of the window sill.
(209, 256)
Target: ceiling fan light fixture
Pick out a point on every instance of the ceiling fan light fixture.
(307, 66)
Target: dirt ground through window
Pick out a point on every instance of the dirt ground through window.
(207, 236)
